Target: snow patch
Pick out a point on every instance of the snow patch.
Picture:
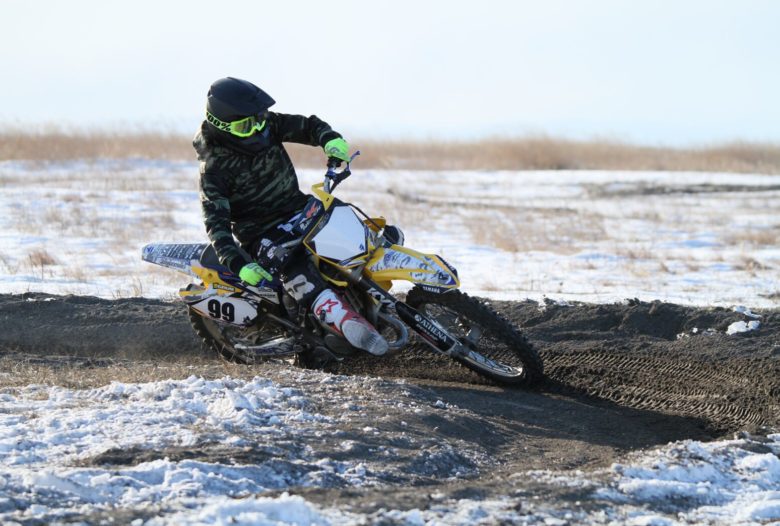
(703, 482)
(257, 511)
(741, 326)
(65, 451)
(746, 311)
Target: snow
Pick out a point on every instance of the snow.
(63, 451)
(77, 227)
(716, 481)
(741, 326)
(592, 236)
(52, 440)
(258, 511)
(44, 432)
(747, 312)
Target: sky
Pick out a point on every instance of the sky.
(660, 72)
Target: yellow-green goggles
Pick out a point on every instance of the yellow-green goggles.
(245, 127)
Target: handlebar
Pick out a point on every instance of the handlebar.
(334, 178)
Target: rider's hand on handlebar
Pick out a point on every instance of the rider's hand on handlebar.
(337, 149)
(253, 274)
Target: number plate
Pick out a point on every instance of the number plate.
(227, 309)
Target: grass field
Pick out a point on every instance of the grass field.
(77, 227)
(129, 431)
(524, 153)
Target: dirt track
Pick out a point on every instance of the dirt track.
(655, 356)
(620, 377)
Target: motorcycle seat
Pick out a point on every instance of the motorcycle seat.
(209, 259)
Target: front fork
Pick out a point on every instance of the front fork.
(431, 331)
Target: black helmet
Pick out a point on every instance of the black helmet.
(230, 99)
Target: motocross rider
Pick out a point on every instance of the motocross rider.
(249, 188)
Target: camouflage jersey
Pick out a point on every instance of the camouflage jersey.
(245, 192)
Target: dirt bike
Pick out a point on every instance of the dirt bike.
(247, 324)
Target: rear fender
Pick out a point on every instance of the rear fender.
(178, 256)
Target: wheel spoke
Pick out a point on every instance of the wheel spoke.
(474, 335)
(445, 317)
(238, 342)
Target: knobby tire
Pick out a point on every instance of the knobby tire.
(503, 343)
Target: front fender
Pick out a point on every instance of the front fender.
(402, 263)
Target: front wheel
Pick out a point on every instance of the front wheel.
(495, 348)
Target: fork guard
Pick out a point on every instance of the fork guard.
(433, 333)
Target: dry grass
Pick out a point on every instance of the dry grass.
(41, 258)
(19, 370)
(755, 237)
(62, 144)
(537, 153)
(546, 153)
(751, 265)
(534, 229)
(38, 260)
(78, 218)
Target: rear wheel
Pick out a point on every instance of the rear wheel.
(238, 344)
(495, 348)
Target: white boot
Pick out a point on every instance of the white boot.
(337, 314)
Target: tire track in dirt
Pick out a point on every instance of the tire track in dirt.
(678, 386)
(662, 357)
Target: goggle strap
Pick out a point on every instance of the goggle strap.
(222, 125)
(231, 127)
